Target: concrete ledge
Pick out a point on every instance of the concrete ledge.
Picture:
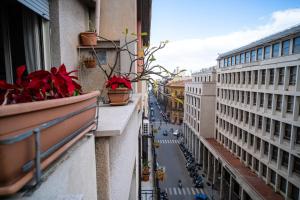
(114, 119)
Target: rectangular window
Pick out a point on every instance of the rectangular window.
(285, 48)
(274, 153)
(225, 64)
(297, 135)
(253, 56)
(237, 59)
(242, 58)
(258, 143)
(228, 61)
(259, 54)
(243, 77)
(252, 119)
(275, 50)
(261, 101)
(247, 57)
(294, 194)
(267, 52)
(282, 185)
(296, 167)
(259, 122)
(273, 177)
(285, 159)
(263, 76)
(255, 76)
(266, 148)
(249, 77)
(254, 98)
(296, 46)
(290, 104)
(292, 78)
(251, 139)
(276, 128)
(268, 125)
(280, 76)
(264, 170)
(269, 101)
(287, 132)
(232, 60)
(271, 80)
(278, 102)
(256, 164)
(248, 97)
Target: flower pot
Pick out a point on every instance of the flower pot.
(146, 177)
(119, 96)
(90, 63)
(53, 124)
(88, 38)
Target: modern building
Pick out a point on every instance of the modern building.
(254, 150)
(105, 164)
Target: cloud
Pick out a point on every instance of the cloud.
(194, 54)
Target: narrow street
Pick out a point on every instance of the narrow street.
(170, 156)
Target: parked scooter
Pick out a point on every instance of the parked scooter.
(164, 195)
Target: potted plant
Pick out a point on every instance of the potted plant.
(119, 88)
(89, 38)
(41, 116)
(156, 144)
(146, 171)
(160, 173)
(89, 62)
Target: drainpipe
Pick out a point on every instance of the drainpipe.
(97, 16)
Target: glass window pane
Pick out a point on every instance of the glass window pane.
(285, 48)
(253, 55)
(275, 50)
(296, 48)
(247, 56)
(267, 52)
(242, 58)
(259, 54)
(237, 59)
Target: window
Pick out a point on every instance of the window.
(269, 101)
(266, 148)
(228, 61)
(247, 57)
(256, 164)
(253, 55)
(267, 52)
(282, 185)
(264, 170)
(294, 194)
(249, 77)
(254, 98)
(251, 139)
(292, 78)
(285, 48)
(290, 104)
(285, 159)
(263, 76)
(246, 117)
(275, 50)
(296, 167)
(287, 132)
(261, 101)
(296, 46)
(272, 177)
(242, 58)
(297, 135)
(252, 119)
(268, 125)
(248, 97)
(276, 128)
(274, 153)
(259, 54)
(259, 122)
(258, 143)
(225, 64)
(237, 59)
(271, 80)
(232, 60)
(255, 76)
(278, 102)
(280, 76)
(243, 77)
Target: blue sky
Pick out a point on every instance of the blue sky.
(188, 22)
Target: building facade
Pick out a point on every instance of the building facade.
(255, 145)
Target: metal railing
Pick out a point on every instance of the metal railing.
(37, 131)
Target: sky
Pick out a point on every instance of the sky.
(197, 30)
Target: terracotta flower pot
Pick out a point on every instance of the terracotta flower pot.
(145, 177)
(59, 123)
(119, 96)
(88, 38)
(90, 63)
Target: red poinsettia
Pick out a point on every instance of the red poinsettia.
(39, 85)
(118, 82)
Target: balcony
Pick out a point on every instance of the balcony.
(103, 164)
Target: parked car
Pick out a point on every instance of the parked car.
(175, 133)
(165, 133)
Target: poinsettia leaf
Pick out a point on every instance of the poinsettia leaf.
(20, 72)
(5, 85)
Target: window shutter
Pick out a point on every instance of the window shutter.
(40, 7)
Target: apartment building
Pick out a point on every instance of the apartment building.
(254, 151)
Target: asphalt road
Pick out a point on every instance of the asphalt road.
(170, 156)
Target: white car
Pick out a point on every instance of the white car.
(175, 132)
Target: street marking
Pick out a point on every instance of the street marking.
(179, 192)
(202, 190)
(188, 191)
(170, 191)
(183, 191)
(168, 141)
(174, 189)
(193, 191)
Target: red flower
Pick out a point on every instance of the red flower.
(118, 82)
(39, 85)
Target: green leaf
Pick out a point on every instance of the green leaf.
(144, 34)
